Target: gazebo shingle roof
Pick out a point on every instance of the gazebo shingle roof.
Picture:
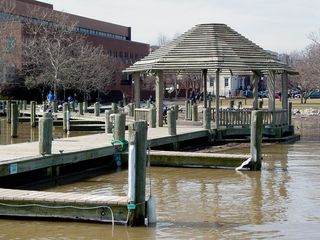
(211, 46)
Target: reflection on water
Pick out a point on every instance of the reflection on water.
(30, 134)
(282, 201)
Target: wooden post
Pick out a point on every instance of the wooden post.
(131, 109)
(176, 109)
(260, 103)
(137, 83)
(114, 107)
(65, 115)
(8, 112)
(152, 117)
(85, 106)
(33, 106)
(20, 105)
(159, 98)
(186, 117)
(137, 172)
(45, 134)
(217, 97)
(24, 105)
(172, 123)
(80, 108)
(55, 106)
(108, 123)
(289, 113)
(190, 110)
(284, 90)
(271, 91)
(73, 105)
(119, 126)
(207, 118)
(96, 109)
(194, 112)
(256, 139)
(14, 120)
(255, 81)
(204, 79)
(231, 104)
(124, 99)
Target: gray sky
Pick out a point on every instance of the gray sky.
(277, 25)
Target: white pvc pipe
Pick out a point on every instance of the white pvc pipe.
(131, 173)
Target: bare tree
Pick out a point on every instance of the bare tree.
(49, 48)
(307, 62)
(162, 39)
(57, 57)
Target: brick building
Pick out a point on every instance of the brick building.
(115, 39)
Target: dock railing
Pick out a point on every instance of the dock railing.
(242, 117)
(141, 114)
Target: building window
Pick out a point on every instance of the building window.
(10, 44)
(226, 82)
(211, 81)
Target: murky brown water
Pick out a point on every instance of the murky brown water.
(280, 202)
(27, 133)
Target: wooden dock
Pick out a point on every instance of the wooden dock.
(25, 157)
(74, 206)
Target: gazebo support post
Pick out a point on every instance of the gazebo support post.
(159, 98)
(204, 78)
(137, 83)
(217, 97)
(284, 90)
(271, 90)
(255, 81)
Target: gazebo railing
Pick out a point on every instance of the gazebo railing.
(141, 114)
(242, 117)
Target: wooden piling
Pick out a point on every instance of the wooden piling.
(186, 117)
(131, 109)
(108, 123)
(207, 118)
(260, 103)
(66, 118)
(256, 139)
(14, 120)
(24, 105)
(33, 106)
(85, 106)
(176, 109)
(289, 113)
(119, 126)
(172, 123)
(80, 108)
(8, 111)
(45, 134)
(114, 107)
(137, 172)
(55, 106)
(96, 109)
(152, 117)
(190, 110)
(194, 112)
(231, 104)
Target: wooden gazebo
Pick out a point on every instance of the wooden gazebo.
(212, 47)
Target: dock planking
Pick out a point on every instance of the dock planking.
(24, 157)
(76, 206)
